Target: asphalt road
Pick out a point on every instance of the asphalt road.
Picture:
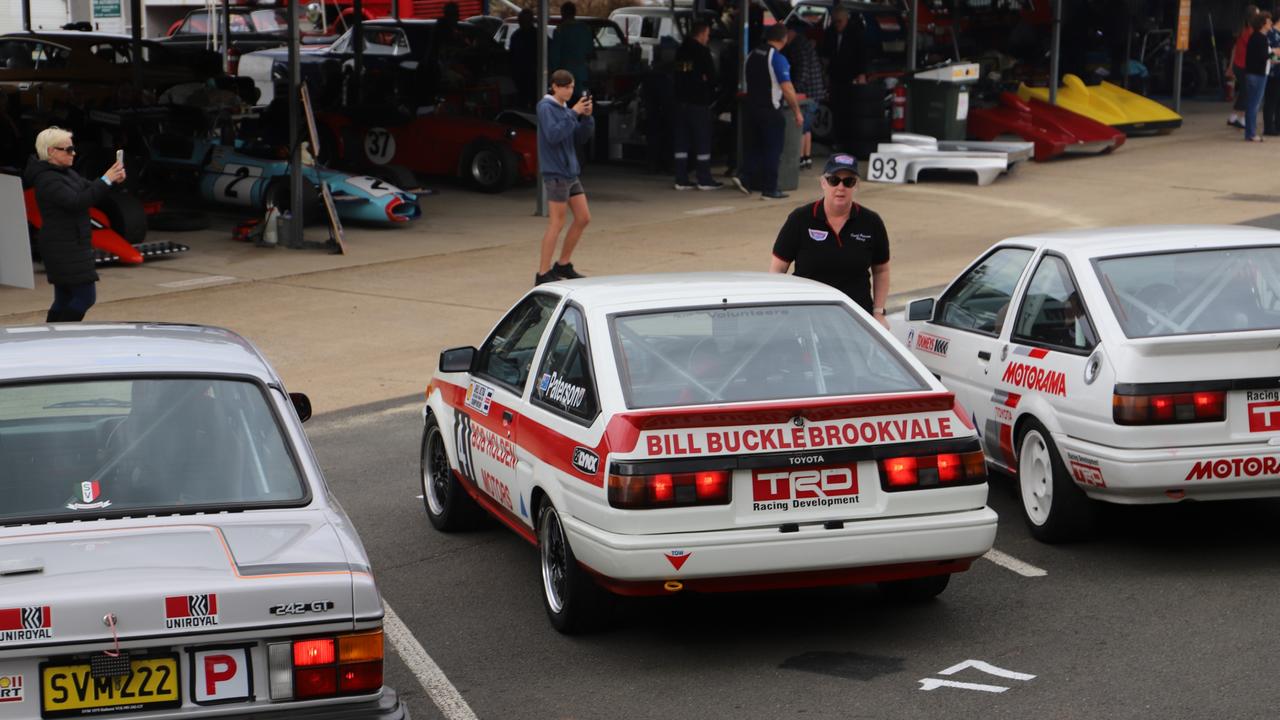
(1170, 613)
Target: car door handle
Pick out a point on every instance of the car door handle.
(984, 355)
(508, 417)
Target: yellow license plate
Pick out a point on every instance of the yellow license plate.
(70, 690)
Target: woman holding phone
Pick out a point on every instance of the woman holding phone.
(65, 239)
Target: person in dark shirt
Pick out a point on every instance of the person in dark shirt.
(695, 90)
(769, 91)
(844, 49)
(837, 241)
(1271, 98)
(524, 59)
(1256, 63)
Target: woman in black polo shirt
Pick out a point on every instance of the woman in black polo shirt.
(837, 241)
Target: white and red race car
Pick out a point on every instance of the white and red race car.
(1131, 365)
(708, 432)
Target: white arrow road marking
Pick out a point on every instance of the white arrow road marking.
(935, 683)
(1010, 562)
(433, 680)
(987, 668)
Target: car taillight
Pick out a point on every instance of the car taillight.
(325, 666)
(913, 472)
(1169, 408)
(661, 490)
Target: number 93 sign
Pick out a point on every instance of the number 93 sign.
(886, 169)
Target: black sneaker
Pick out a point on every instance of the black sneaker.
(549, 276)
(711, 185)
(565, 271)
(775, 195)
(742, 187)
(685, 185)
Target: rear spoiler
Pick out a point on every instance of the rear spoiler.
(1208, 342)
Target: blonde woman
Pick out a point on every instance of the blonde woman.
(65, 239)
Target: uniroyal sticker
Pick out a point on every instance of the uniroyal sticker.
(558, 391)
(1264, 410)
(783, 437)
(10, 688)
(932, 344)
(191, 611)
(800, 489)
(25, 623)
(1086, 470)
(585, 461)
(479, 397)
(678, 558)
(1230, 468)
(90, 494)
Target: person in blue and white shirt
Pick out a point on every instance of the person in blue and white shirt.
(768, 86)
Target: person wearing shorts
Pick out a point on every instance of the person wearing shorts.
(560, 129)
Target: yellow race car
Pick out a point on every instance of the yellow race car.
(1109, 104)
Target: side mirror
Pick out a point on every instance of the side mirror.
(301, 405)
(457, 359)
(920, 309)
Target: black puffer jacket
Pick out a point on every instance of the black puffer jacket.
(65, 238)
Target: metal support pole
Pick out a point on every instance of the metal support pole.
(26, 15)
(293, 236)
(357, 38)
(744, 37)
(913, 33)
(135, 48)
(544, 20)
(395, 10)
(1177, 80)
(226, 36)
(1055, 52)
(1128, 52)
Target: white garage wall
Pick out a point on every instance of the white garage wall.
(45, 14)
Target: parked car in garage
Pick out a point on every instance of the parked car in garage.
(252, 28)
(612, 56)
(169, 545)
(1127, 365)
(706, 432)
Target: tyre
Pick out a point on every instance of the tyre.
(824, 123)
(127, 216)
(491, 168)
(449, 507)
(914, 590)
(1055, 509)
(573, 601)
(175, 221)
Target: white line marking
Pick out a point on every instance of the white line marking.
(418, 496)
(714, 210)
(442, 692)
(987, 668)
(935, 683)
(1012, 563)
(196, 281)
(358, 421)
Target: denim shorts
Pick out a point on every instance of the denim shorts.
(561, 189)
(808, 108)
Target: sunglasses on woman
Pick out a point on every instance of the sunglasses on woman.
(70, 149)
(834, 180)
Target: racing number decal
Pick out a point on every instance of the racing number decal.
(379, 146)
(462, 442)
(883, 169)
(230, 185)
(371, 185)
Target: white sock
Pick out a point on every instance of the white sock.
(1234, 117)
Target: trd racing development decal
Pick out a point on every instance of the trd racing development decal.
(784, 437)
(677, 558)
(585, 461)
(932, 344)
(90, 491)
(470, 438)
(25, 623)
(190, 611)
(479, 397)
(804, 488)
(301, 608)
(1264, 410)
(1235, 468)
(1032, 377)
(10, 688)
(556, 390)
(1086, 470)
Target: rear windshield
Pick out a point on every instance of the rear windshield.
(1202, 291)
(92, 448)
(757, 353)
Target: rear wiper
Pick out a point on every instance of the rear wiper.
(96, 402)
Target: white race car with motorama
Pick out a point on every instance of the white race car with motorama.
(1131, 365)
(705, 432)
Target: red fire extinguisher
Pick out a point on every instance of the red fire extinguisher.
(899, 106)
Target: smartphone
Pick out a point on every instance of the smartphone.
(120, 157)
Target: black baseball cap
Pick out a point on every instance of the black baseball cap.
(841, 161)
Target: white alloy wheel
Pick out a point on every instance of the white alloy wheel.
(1035, 475)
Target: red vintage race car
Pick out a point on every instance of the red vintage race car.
(119, 229)
(492, 155)
(1054, 130)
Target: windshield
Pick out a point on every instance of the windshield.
(1202, 291)
(90, 448)
(744, 354)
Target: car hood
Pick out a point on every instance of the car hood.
(183, 578)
